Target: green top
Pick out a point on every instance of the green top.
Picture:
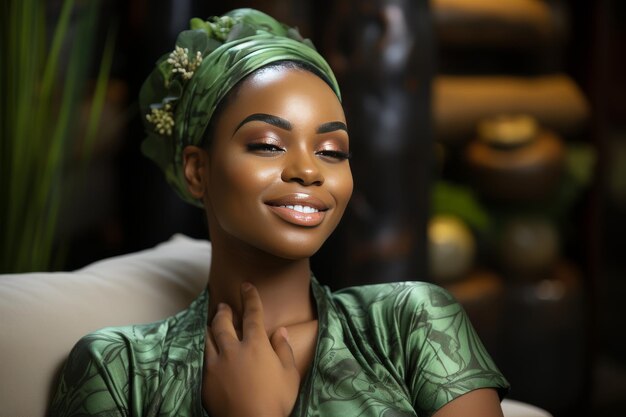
(401, 349)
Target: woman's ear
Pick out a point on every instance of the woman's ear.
(195, 166)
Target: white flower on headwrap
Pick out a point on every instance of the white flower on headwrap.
(162, 119)
(179, 58)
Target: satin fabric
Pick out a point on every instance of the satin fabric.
(402, 349)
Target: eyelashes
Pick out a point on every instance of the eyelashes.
(263, 147)
(340, 155)
(270, 149)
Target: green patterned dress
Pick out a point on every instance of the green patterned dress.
(387, 350)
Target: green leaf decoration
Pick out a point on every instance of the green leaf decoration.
(240, 31)
(198, 24)
(194, 41)
(165, 69)
(174, 92)
(294, 33)
(580, 162)
(221, 27)
(212, 45)
(460, 201)
(259, 20)
(152, 91)
(158, 149)
(309, 43)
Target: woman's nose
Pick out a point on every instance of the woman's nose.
(302, 167)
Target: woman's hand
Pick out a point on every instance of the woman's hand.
(252, 377)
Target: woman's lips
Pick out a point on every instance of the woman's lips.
(299, 218)
(299, 209)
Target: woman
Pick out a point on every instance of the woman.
(245, 119)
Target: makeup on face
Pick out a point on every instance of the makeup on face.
(280, 176)
(271, 144)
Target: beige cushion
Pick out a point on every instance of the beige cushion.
(42, 315)
(512, 408)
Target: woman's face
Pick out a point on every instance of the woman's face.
(278, 178)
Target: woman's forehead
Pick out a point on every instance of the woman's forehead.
(284, 89)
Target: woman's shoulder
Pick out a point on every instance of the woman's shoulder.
(399, 310)
(147, 337)
(146, 356)
(407, 296)
(423, 333)
(102, 362)
(124, 337)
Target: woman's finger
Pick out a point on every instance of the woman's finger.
(280, 343)
(210, 349)
(253, 324)
(222, 327)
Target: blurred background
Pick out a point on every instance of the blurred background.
(489, 143)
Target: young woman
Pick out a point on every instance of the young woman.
(246, 121)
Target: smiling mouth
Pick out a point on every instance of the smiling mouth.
(299, 209)
(297, 215)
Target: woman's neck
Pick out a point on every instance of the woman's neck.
(284, 286)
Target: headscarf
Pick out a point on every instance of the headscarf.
(179, 97)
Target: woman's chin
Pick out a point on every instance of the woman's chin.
(293, 253)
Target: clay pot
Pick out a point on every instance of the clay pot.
(513, 160)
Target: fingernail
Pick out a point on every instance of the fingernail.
(221, 306)
(246, 286)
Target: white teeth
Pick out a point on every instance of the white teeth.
(302, 209)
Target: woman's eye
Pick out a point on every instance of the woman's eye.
(335, 155)
(264, 148)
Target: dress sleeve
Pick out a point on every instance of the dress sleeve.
(94, 381)
(444, 357)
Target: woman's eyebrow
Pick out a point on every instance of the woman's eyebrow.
(266, 118)
(331, 127)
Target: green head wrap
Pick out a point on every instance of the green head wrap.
(181, 94)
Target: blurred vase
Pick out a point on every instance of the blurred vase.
(529, 247)
(514, 160)
(451, 248)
